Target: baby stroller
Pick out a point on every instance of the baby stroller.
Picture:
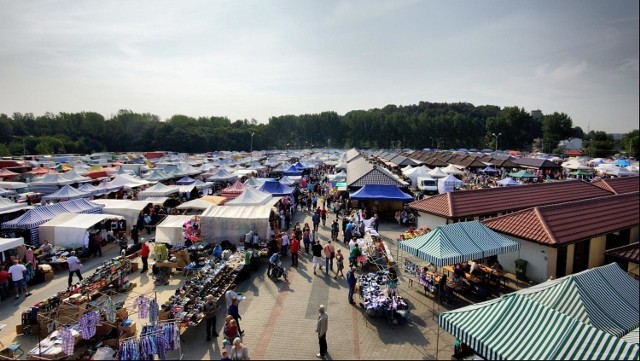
(278, 271)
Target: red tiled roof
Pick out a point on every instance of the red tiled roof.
(506, 199)
(620, 185)
(571, 221)
(629, 252)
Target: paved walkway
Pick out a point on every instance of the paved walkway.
(279, 317)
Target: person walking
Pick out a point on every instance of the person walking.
(144, 254)
(323, 216)
(315, 219)
(351, 282)
(234, 311)
(239, 351)
(295, 249)
(306, 238)
(285, 244)
(329, 254)
(335, 228)
(210, 309)
(339, 264)
(74, 267)
(17, 272)
(230, 295)
(316, 250)
(322, 325)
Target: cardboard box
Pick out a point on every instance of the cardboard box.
(122, 314)
(134, 266)
(48, 276)
(19, 329)
(113, 343)
(129, 330)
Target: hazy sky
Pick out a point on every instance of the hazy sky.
(257, 59)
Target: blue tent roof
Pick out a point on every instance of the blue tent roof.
(300, 166)
(380, 192)
(276, 188)
(185, 180)
(292, 171)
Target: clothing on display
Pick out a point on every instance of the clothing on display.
(109, 308)
(88, 323)
(142, 304)
(67, 340)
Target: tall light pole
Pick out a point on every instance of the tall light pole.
(431, 143)
(252, 133)
(24, 147)
(496, 135)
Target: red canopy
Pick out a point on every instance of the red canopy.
(234, 190)
(7, 174)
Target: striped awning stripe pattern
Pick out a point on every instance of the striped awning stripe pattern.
(459, 242)
(517, 327)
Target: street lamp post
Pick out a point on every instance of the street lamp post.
(24, 147)
(496, 135)
(252, 133)
(431, 142)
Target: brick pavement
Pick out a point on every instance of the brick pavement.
(279, 317)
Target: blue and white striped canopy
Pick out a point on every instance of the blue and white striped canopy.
(458, 242)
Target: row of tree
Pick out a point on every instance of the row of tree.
(423, 125)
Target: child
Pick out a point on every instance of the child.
(225, 356)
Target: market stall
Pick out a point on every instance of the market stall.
(232, 223)
(175, 229)
(68, 230)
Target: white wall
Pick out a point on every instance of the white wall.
(535, 254)
(430, 220)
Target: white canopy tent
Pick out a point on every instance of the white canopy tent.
(68, 229)
(231, 223)
(170, 229)
(158, 190)
(452, 169)
(7, 206)
(252, 197)
(198, 203)
(123, 207)
(10, 243)
(437, 173)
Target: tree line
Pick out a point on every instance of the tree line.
(417, 126)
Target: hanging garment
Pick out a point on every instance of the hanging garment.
(142, 304)
(154, 310)
(67, 340)
(109, 310)
(88, 324)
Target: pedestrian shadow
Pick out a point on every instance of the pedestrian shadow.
(194, 345)
(396, 334)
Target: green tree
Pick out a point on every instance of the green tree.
(600, 144)
(556, 127)
(631, 143)
(516, 127)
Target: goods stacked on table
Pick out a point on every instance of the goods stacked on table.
(379, 294)
(214, 277)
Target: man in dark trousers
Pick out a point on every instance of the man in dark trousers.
(322, 327)
(144, 254)
(210, 309)
(351, 282)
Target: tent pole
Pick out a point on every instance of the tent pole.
(438, 342)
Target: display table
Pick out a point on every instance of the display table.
(213, 277)
(51, 347)
(380, 297)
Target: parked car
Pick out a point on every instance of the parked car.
(35, 197)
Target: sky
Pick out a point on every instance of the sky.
(258, 59)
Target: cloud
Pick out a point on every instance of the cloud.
(564, 72)
(629, 64)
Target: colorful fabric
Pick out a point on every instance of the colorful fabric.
(67, 340)
(88, 324)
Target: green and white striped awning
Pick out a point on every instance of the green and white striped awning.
(516, 327)
(605, 297)
(458, 242)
